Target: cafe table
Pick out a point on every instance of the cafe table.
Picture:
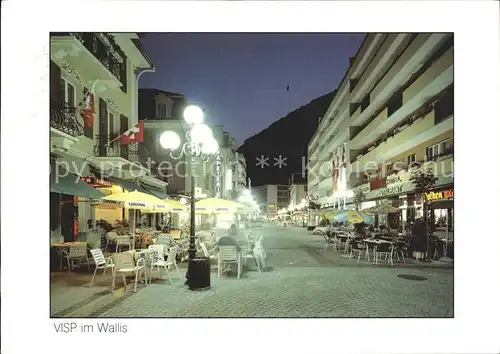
(375, 243)
(63, 248)
(149, 258)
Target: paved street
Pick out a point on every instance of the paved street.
(301, 282)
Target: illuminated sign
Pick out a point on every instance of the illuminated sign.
(388, 191)
(96, 182)
(449, 194)
(393, 179)
(218, 160)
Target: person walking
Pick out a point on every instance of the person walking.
(419, 239)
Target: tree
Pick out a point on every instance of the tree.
(423, 182)
(359, 197)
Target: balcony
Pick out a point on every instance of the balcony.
(65, 129)
(124, 158)
(432, 82)
(418, 132)
(89, 57)
(64, 119)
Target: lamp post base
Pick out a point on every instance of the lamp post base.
(198, 275)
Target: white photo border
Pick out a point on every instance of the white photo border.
(26, 326)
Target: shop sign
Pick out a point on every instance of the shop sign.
(393, 179)
(96, 182)
(449, 194)
(389, 191)
(218, 160)
(365, 188)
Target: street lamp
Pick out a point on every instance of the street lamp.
(199, 142)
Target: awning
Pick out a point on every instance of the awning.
(53, 189)
(128, 185)
(71, 184)
(155, 191)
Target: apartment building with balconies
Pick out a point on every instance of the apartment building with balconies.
(93, 99)
(393, 113)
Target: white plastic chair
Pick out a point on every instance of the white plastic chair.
(110, 237)
(158, 260)
(122, 241)
(260, 254)
(384, 249)
(228, 254)
(329, 241)
(76, 254)
(357, 246)
(124, 263)
(102, 263)
(172, 254)
(205, 251)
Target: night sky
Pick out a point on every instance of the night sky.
(241, 79)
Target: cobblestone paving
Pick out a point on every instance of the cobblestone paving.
(299, 292)
(302, 282)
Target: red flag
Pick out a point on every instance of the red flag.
(87, 109)
(335, 173)
(133, 135)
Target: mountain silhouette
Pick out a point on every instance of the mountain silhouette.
(288, 137)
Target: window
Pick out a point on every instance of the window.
(352, 84)
(394, 104)
(69, 93)
(111, 123)
(444, 147)
(445, 106)
(438, 149)
(365, 103)
(411, 159)
(161, 110)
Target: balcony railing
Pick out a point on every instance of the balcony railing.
(63, 118)
(105, 50)
(108, 145)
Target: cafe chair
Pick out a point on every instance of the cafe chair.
(102, 263)
(228, 254)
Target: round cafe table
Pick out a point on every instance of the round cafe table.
(375, 243)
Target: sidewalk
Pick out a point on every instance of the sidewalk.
(315, 248)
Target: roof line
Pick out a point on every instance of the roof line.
(142, 50)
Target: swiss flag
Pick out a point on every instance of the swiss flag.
(133, 135)
(87, 109)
